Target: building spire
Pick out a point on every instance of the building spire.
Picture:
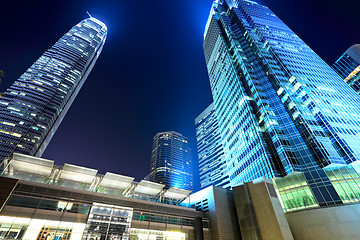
(88, 14)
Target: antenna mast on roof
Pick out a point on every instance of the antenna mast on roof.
(88, 14)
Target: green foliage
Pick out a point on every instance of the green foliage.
(299, 201)
(306, 200)
(83, 186)
(59, 182)
(101, 189)
(44, 179)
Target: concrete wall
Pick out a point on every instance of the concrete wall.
(257, 202)
(332, 223)
(220, 210)
(225, 214)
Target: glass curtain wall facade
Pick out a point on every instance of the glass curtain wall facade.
(282, 110)
(348, 67)
(33, 107)
(171, 161)
(211, 156)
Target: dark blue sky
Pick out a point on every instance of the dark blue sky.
(151, 75)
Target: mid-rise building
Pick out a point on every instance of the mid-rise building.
(348, 67)
(40, 200)
(211, 157)
(33, 107)
(283, 113)
(171, 161)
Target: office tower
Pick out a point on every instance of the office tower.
(212, 164)
(348, 67)
(283, 112)
(35, 104)
(171, 161)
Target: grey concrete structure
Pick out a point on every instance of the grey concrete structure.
(260, 216)
(259, 211)
(333, 223)
(218, 206)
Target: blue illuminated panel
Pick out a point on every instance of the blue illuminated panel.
(281, 108)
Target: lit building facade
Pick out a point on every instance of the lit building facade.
(41, 200)
(283, 112)
(33, 107)
(218, 206)
(348, 67)
(211, 157)
(171, 161)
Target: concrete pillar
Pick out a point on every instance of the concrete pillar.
(199, 228)
(260, 212)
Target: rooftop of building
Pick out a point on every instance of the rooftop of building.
(98, 22)
(204, 113)
(169, 133)
(354, 52)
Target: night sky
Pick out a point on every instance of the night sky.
(151, 75)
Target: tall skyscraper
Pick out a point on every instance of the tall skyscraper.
(283, 112)
(35, 104)
(211, 156)
(171, 161)
(348, 67)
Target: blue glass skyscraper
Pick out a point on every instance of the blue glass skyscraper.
(348, 67)
(35, 104)
(171, 161)
(283, 112)
(211, 156)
